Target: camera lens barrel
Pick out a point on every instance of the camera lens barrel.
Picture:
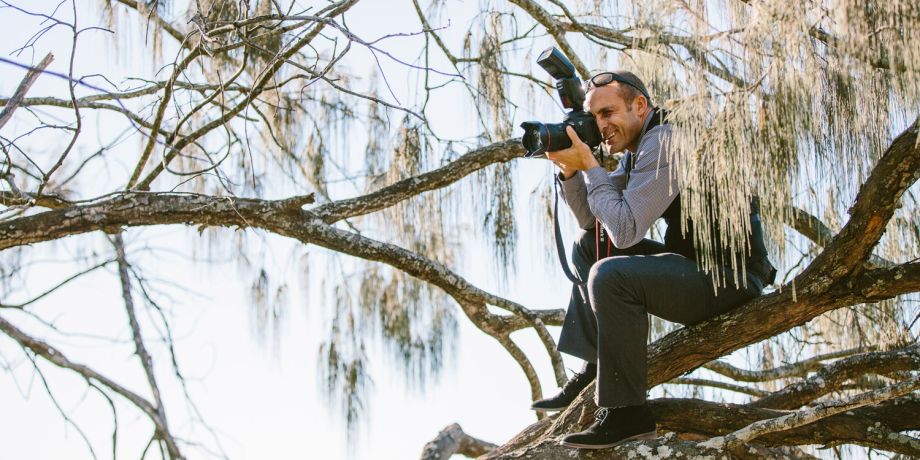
(540, 138)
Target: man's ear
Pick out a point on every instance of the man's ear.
(640, 106)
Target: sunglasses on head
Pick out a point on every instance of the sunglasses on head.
(606, 78)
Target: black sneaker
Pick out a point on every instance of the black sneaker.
(571, 389)
(613, 427)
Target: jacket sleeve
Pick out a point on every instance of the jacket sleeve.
(627, 213)
(575, 194)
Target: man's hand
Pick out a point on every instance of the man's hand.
(576, 158)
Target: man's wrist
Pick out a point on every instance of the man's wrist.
(590, 162)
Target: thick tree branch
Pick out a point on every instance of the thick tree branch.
(870, 426)
(452, 440)
(831, 377)
(745, 435)
(283, 217)
(820, 234)
(895, 172)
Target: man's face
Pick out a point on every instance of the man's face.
(620, 124)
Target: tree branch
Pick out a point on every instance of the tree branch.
(475, 160)
(895, 172)
(553, 28)
(141, 350)
(259, 85)
(829, 378)
(820, 234)
(869, 426)
(810, 415)
(57, 358)
(23, 88)
(798, 369)
(721, 385)
(452, 440)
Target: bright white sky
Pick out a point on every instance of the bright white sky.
(263, 403)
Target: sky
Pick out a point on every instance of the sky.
(261, 399)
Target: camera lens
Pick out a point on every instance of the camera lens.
(535, 139)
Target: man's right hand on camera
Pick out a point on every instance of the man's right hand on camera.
(576, 158)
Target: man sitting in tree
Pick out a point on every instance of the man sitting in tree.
(625, 276)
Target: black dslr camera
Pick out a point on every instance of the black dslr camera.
(540, 138)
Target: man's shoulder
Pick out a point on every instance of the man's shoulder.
(657, 131)
(653, 143)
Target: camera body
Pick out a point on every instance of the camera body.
(539, 137)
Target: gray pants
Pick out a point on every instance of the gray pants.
(611, 328)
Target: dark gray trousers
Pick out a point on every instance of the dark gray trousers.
(611, 328)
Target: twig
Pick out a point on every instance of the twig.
(141, 349)
(721, 385)
(23, 88)
(798, 369)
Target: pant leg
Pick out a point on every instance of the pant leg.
(579, 330)
(622, 291)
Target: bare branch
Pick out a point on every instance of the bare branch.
(261, 82)
(536, 392)
(553, 28)
(57, 286)
(798, 369)
(721, 385)
(23, 88)
(55, 357)
(146, 361)
(831, 377)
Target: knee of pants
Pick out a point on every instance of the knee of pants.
(610, 275)
(583, 250)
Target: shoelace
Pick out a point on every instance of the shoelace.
(574, 382)
(601, 414)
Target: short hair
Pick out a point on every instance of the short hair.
(634, 88)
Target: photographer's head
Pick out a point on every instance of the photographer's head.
(620, 104)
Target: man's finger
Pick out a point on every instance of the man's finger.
(571, 132)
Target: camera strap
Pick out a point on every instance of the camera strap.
(601, 237)
(557, 234)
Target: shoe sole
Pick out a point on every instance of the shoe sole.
(639, 437)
